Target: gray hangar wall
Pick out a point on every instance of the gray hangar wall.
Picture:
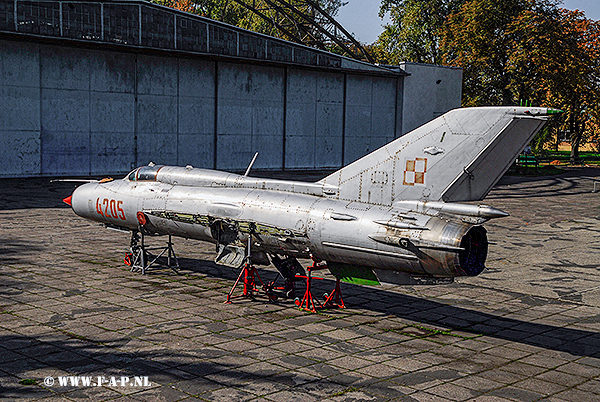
(81, 111)
(429, 91)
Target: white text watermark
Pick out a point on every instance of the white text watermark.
(97, 381)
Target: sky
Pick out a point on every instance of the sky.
(360, 17)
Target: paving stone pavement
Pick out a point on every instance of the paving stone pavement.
(526, 329)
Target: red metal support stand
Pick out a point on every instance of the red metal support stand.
(309, 303)
(335, 298)
(250, 274)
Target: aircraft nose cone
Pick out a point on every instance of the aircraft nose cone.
(68, 200)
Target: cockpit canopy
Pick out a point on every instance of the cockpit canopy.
(144, 173)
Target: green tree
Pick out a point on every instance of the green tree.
(227, 11)
(481, 37)
(510, 51)
(414, 32)
(574, 84)
(554, 60)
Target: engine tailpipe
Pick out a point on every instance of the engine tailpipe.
(471, 260)
(451, 249)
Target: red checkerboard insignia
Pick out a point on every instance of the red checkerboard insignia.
(414, 174)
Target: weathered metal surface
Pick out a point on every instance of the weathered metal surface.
(333, 222)
(84, 111)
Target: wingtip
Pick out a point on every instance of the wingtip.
(534, 111)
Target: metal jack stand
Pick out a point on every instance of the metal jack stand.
(309, 303)
(139, 258)
(250, 275)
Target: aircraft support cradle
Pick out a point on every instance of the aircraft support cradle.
(312, 304)
(141, 260)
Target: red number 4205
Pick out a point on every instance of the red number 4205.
(110, 208)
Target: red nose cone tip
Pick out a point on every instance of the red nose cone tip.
(68, 200)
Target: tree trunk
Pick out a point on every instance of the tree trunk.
(575, 138)
(506, 97)
(575, 148)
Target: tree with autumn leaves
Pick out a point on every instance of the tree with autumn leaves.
(511, 51)
(266, 19)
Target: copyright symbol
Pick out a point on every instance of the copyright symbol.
(49, 381)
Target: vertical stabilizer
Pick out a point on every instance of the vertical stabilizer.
(457, 157)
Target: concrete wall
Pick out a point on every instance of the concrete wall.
(250, 116)
(196, 114)
(429, 92)
(20, 112)
(77, 111)
(370, 115)
(315, 116)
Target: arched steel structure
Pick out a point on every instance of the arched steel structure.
(306, 22)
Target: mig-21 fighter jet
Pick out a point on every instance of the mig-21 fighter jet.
(394, 216)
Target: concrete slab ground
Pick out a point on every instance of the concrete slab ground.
(526, 329)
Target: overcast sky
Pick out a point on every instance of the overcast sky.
(360, 16)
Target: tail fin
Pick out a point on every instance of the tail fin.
(457, 157)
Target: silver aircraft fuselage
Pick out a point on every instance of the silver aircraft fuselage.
(298, 225)
(389, 215)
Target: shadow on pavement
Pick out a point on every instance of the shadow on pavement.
(459, 318)
(188, 371)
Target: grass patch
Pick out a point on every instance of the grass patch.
(345, 391)
(27, 381)
(424, 332)
(567, 154)
(433, 331)
(80, 337)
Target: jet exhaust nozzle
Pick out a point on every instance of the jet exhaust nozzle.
(451, 249)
